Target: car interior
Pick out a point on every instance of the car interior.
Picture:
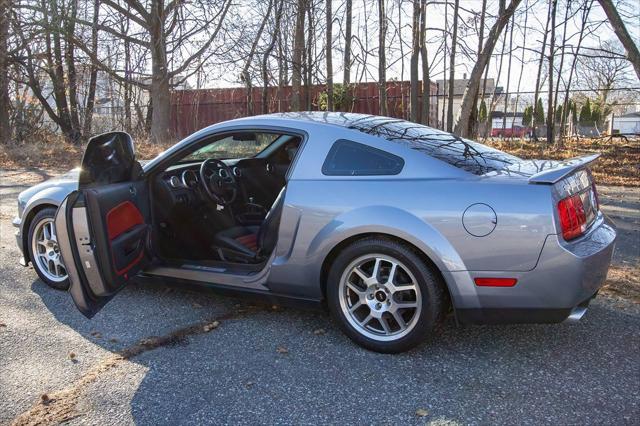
(222, 200)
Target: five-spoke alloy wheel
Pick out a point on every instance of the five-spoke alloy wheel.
(44, 251)
(383, 295)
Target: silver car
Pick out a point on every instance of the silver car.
(390, 224)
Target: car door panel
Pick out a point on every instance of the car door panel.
(104, 226)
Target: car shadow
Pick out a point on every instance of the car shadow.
(293, 366)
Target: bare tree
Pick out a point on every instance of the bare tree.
(245, 75)
(623, 34)
(298, 48)
(552, 46)
(452, 65)
(415, 56)
(382, 57)
(471, 92)
(426, 80)
(329, 55)
(346, 79)
(265, 57)
(5, 127)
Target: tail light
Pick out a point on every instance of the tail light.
(573, 219)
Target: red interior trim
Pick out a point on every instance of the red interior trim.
(250, 241)
(122, 218)
(129, 266)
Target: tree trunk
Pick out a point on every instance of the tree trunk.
(445, 97)
(296, 63)
(557, 91)
(623, 35)
(382, 57)
(539, 75)
(308, 68)
(471, 92)
(452, 66)
(522, 62)
(425, 115)
(415, 56)
(329, 54)
(245, 75)
(346, 79)
(267, 53)
(5, 102)
(474, 109)
(93, 74)
(506, 95)
(69, 56)
(552, 46)
(160, 84)
(565, 105)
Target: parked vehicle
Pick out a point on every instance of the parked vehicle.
(511, 132)
(391, 224)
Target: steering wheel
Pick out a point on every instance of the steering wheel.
(218, 181)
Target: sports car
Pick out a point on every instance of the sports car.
(389, 224)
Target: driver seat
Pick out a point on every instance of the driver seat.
(248, 243)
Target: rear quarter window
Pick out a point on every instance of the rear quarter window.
(348, 158)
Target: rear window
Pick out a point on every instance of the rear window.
(347, 158)
(471, 156)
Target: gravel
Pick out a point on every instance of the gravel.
(587, 372)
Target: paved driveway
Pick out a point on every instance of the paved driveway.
(165, 355)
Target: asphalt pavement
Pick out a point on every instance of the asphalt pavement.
(160, 354)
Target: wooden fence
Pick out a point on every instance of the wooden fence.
(192, 110)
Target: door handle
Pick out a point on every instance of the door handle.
(132, 191)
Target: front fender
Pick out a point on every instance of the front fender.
(52, 196)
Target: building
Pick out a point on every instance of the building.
(625, 124)
(459, 86)
(508, 125)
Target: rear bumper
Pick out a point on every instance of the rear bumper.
(567, 276)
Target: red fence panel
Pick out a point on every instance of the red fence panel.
(192, 110)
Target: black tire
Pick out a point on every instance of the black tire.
(46, 213)
(432, 293)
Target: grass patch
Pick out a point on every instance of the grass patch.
(53, 152)
(623, 282)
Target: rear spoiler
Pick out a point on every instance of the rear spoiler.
(562, 169)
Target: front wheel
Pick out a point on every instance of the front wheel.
(383, 295)
(44, 252)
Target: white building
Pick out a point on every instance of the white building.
(625, 124)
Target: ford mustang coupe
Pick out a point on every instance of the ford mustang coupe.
(389, 223)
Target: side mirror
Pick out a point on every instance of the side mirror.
(108, 158)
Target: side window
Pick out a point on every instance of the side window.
(347, 158)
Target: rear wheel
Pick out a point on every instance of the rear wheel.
(383, 296)
(44, 252)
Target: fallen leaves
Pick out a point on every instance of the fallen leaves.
(282, 350)
(319, 331)
(72, 355)
(211, 326)
(96, 334)
(421, 412)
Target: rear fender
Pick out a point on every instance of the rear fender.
(393, 222)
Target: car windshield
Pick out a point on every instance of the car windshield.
(244, 145)
(471, 156)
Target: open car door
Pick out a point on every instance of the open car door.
(103, 228)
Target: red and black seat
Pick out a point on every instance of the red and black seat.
(251, 242)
